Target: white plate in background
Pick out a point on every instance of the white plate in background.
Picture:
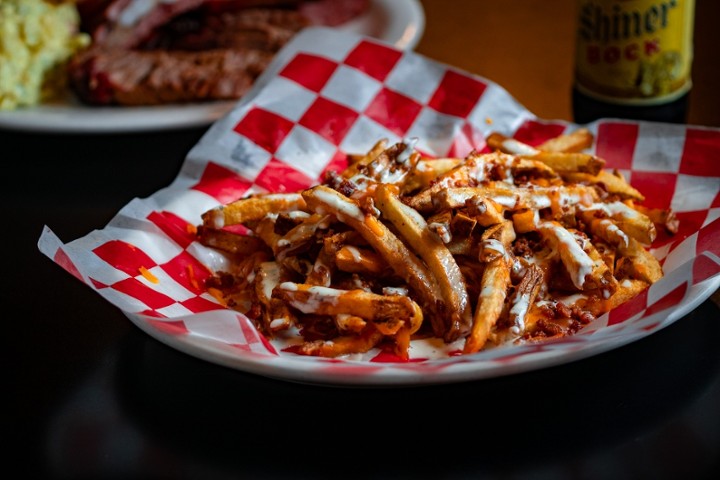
(399, 22)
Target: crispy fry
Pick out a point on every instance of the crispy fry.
(367, 339)
(575, 141)
(355, 259)
(252, 209)
(612, 182)
(381, 309)
(583, 264)
(662, 217)
(494, 285)
(634, 223)
(524, 297)
(413, 228)
(228, 241)
(559, 161)
(276, 314)
(512, 198)
(569, 162)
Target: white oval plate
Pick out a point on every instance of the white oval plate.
(399, 22)
(497, 362)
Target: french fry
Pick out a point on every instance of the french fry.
(355, 259)
(524, 297)
(560, 161)
(343, 345)
(252, 209)
(612, 182)
(662, 217)
(331, 301)
(430, 247)
(634, 223)
(228, 241)
(583, 264)
(513, 198)
(495, 282)
(276, 314)
(575, 141)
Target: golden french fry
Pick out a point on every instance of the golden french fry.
(524, 297)
(627, 289)
(575, 141)
(477, 168)
(634, 223)
(569, 162)
(228, 241)
(432, 250)
(661, 217)
(585, 267)
(342, 345)
(612, 182)
(426, 171)
(494, 285)
(356, 162)
(366, 305)
(253, 208)
(276, 314)
(514, 198)
(356, 259)
(560, 161)
(392, 165)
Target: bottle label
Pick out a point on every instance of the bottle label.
(634, 52)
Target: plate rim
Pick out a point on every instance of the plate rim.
(290, 368)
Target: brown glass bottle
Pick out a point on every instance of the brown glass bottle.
(633, 60)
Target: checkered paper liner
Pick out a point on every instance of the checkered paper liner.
(330, 93)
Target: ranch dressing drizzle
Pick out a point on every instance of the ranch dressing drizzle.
(582, 260)
(518, 148)
(409, 143)
(519, 309)
(348, 209)
(318, 295)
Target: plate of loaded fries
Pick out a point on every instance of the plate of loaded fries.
(355, 219)
(155, 65)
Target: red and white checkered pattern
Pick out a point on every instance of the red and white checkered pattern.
(330, 93)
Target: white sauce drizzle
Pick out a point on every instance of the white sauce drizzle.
(409, 143)
(582, 260)
(357, 258)
(519, 309)
(348, 209)
(518, 148)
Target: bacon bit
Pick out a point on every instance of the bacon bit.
(148, 275)
(192, 278)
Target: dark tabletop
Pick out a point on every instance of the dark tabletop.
(92, 396)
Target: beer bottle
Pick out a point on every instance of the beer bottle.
(633, 60)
